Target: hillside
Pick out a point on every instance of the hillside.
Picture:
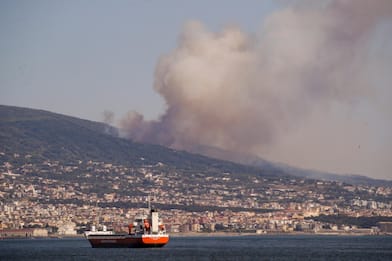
(46, 135)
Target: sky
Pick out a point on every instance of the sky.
(307, 83)
(83, 57)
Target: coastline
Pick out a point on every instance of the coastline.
(239, 234)
(223, 234)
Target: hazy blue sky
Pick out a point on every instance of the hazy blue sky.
(309, 86)
(83, 57)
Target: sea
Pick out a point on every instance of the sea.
(260, 247)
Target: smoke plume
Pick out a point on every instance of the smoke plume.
(246, 92)
(108, 117)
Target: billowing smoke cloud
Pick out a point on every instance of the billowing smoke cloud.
(245, 92)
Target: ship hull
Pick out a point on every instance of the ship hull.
(127, 241)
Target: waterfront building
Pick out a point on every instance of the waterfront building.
(24, 232)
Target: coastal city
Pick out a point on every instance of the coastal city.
(196, 130)
(52, 198)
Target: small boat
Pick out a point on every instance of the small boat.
(145, 231)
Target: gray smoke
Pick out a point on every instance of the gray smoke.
(108, 117)
(245, 92)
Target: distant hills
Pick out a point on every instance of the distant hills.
(47, 135)
(251, 160)
(353, 179)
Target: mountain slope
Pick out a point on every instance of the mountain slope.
(46, 135)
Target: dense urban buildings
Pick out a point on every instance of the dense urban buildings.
(66, 199)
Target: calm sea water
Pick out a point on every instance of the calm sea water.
(266, 247)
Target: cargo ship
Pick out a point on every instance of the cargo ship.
(145, 231)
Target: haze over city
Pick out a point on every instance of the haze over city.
(307, 83)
